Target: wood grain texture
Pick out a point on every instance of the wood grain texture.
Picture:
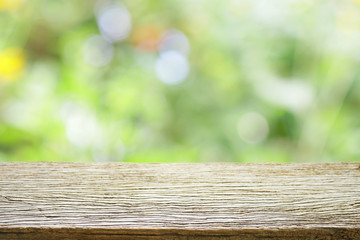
(179, 201)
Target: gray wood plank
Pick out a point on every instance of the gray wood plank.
(179, 201)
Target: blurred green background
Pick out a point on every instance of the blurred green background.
(179, 80)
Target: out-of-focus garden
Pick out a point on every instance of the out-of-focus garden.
(180, 80)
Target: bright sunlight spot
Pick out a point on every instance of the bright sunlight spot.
(253, 128)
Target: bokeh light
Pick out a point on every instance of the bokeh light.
(171, 67)
(98, 51)
(82, 129)
(175, 40)
(8, 5)
(179, 81)
(252, 127)
(114, 21)
(12, 62)
(147, 37)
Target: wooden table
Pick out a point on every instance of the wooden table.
(51, 200)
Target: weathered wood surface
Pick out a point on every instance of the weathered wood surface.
(179, 201)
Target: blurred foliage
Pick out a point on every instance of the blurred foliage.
(179, 81)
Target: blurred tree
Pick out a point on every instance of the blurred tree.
(179, 81)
